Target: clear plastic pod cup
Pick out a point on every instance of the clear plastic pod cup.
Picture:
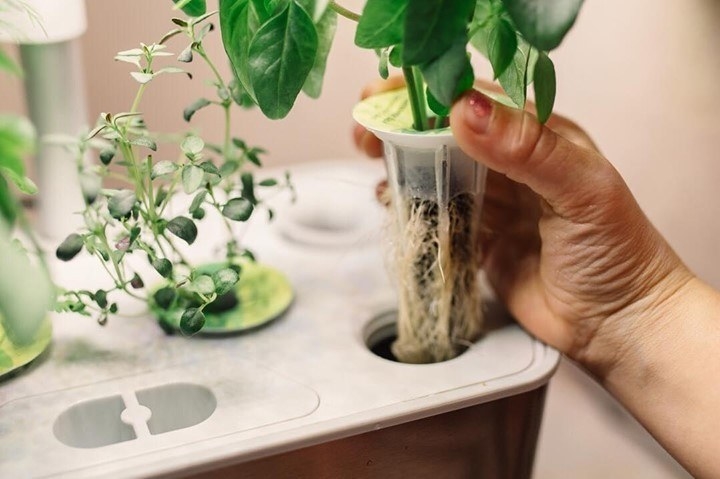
(436, 198)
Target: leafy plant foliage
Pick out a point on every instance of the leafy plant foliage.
(279, 48)
(135, 220)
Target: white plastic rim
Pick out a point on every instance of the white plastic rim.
(49, 21)
(388, 116)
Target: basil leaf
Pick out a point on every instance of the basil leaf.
(518, 74)
(501, 44)
(444, 74)
(326, 32)
(432, 26)
(239, 21)
(545, 85)
(543, 23)
(281, 55)
(382, 23)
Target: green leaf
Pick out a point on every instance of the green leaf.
(198, 104)
(447, 76)
(198, 213)
(142, 77)
(192, 178)
(136, 281)
(229, 167)
(268, 182)
(8, 65)
(101, 298)
(191, 321)
(192, 145)
(209, 168)
(184, 228)
(23, 183)
(225, 280)
(121, 203)
(248, 187)
(434, 104)
(431, 28)
(501, 44)
(107, 155)
(164, 297)
(395, 56)
(191, 8)
(186, 56)
(70, 247)
(252, 156)
(383, 63)
(197, 201)
(326, 32)
(26, 293)
(90, 185)
(204, 285)
(382, 23)
(281, 56)
(545, 85)
(239, 22)
(163, 266)
(144, 141)
(238, 209)
(8, 203)
(241, 97)
(517, 75)
(17, 139)
(162, 168)
(543, 23)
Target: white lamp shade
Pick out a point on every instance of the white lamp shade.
(51, 21)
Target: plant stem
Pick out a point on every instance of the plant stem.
(413, 80)
(138, 97)
(225, 104)
(344, 12)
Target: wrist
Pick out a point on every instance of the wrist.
(621, 340)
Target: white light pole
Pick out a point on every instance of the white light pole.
(55, 91)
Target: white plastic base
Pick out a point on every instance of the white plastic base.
(306, 379)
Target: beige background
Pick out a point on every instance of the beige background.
(641, 75)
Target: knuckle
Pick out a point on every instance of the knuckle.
(530, 143)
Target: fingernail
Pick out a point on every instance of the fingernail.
(477, 115)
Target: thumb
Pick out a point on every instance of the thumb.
(514, 143)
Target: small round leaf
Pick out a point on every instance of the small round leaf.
(164, 297)
(225, 280)
(192, 321)
(70, 247)
(238, 209)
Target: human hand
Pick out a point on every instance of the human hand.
(566, 246)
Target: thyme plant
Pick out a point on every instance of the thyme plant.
(136, 220)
